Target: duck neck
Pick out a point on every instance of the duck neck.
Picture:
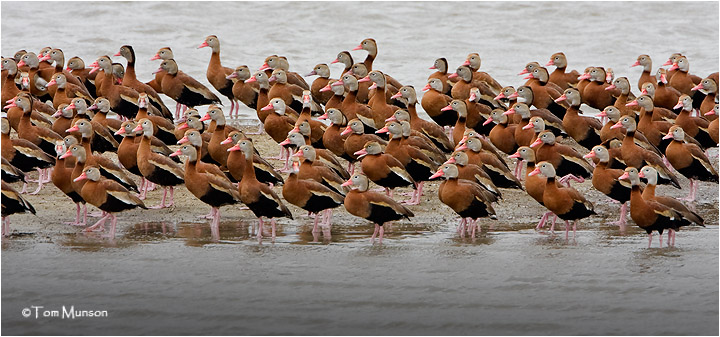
(249, 169)
(649, 192)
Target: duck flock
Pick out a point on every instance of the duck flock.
(336, 135)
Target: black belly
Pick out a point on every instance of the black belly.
(578, 211)
(113, 205)
(26, 164)
(192, 99)
(477, 209)
(619, 192)
(266, 207)
(382, 214)
(392, 180)
(697, 171)
(164, 178)
(418, 171)
(318, 203)
(217, 198)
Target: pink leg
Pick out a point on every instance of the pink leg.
(544, 218)
(660, 238)
(567, 229)
(315, 224)
(4, 226)
(474, 227)
(172, 196)
(649, 239)
(260, 229)
(691, 195)
(99, 224)
(552, 227)
(210, 215)
(351, 168)
(272, 221)
(40, 183)
(382, 232)
(574, 228)
(113, 224)
(24, 189)
(77, 216)
(564, 180)
(623, 217)
(460, 225)
(377, 229)
(162, 203)
(215, 224)
(143, 188)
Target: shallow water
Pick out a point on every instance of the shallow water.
(165, 275)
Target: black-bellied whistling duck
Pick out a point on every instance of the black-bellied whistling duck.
(370, 46)
(564, 159)
(351, 107)
(212, 189)
(275, 62)
(325, 156)
(653, 127)
(317, 128)
(65, 91)
(63, 120)
(200, 140)
(278, 124)
(310, 195)
(594, 93)
(217, 150)
(460, 108)
(529, 67)
(10, 173)
(474, 62)
(360, 71)
(107, 195)
(606, 180)
(433, 102)
(40, 136)
(551, 121)
(696, 127)
(23, 154)
(346, 59)
(504, 98)
(472, 172)
(711, 88)
(216, 73)
(290, 93)
(672, 59)
(559, 76)
(338, 95)
(543, 90)
(650, 215)
(12, 203)
(435, 132)
(648, 193)
(157, 168)
(260, 198)
(164, 53)
(566, 202)
(322, 70)
(487, 146)
(109, 168)
(502, 135)
(264, 171)
(689, 160)
(420, 141)
(164, 129)
(662, 94)
(191, 121)
(379, 101)
(416, 163)
(10, 70)
(461, 89)
(372, 206)
(607, 133)
(713, 127)
(467, 198)
(383, 169)
(479, 108)
(123, 100)
(646, 76)
(100, 139)
(333, 139)
(635, 156)
(262, 98)
(76, 66)
(184, 89)
(320, 173)
(101, 107)
(37, 82)
(244, 92)
(525, 94)
(130, 80)
(623, 85)
(682, 80)
(534, 185)
(585, 130)
(127, 151)
(441, 73)
(494, 167)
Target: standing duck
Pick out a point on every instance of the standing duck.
(378, 102)
(211, 189)
(317, 127)
(260, 198)
(607, 133)
(184, 89)
(262, 98)
(12, 203)
(290, 93)
(502, 135)
(372, 206)
(101, 107)
(346, 59)
(383, 169)
(157, 168)
(534, 185)
(164, 53)
(559, 76)
(244, 92)
(65, 91)
(494, 167)
(217, 74)
(333, 139)
(310, 195)
(441, 73)
(164, 129)
(76, 67)
(585, 130)
(309, 169)
(123, 100)
(435, 132)
(566, 202)
(275, 62)
(644, 61)
(37, 82)
(689, 160)
(467, 198)
(322, 70)
(24, 155)
(472, 172)
(525, 94)
(351, 107)
(564, 159)
(710, 86)
(594, 93)
(474, 62)
(433, 102)
(370, 46)
(461, 89)
(217, 150)
(696, 127)
(356, 139)
(635, 156)
(40, 136)
(107, 195)
(623, 85)
(301, 136)
(713, 127)
(130, 80)
(650, 215)
(682, 80)
(662, 94)
(606, 180)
